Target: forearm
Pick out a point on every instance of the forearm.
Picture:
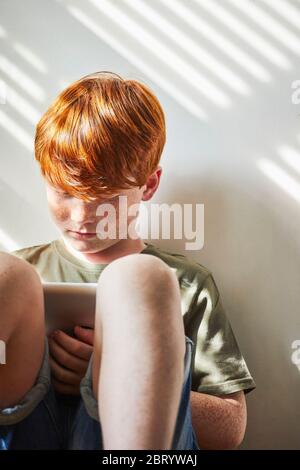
(218, 422)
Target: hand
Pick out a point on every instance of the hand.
(69, 358)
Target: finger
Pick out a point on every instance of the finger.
(65, 359)
(65, 389)
(73, 345)
(63, 375)
(85, 334)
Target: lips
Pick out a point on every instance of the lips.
(82, 235)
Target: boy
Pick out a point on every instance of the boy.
(161, 368)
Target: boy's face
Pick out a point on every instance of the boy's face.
(77, 220)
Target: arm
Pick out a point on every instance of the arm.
(219, 422)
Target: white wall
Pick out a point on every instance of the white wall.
(233, 143)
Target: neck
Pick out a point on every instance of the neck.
(121, 248)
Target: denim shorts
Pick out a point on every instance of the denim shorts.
(47, 420)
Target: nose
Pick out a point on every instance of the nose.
(82, 212)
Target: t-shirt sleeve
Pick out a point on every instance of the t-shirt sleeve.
(218, 366)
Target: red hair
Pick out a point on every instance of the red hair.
(101, 134)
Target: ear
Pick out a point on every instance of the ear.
(152, 184)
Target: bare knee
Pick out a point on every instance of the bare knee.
(141, 271)
(22, 327)
(141, 287)
(13, 268)
(141, 291)
(21, 292)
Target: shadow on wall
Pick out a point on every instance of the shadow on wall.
(254, 261)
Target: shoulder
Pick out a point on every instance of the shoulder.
(32, 253)
(188, 271)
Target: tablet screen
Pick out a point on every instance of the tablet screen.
(68, 305)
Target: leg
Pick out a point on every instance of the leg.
(21, 327)
(140, 334)
(86, 433)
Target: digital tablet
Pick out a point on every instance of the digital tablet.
(69, 304)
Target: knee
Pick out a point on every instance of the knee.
(139, 270)
(17, 275)
(21, 297)
(143, 283)
(136, 280)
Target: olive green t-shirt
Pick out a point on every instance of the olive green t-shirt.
(218, 366)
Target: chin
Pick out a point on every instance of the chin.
(86, 247)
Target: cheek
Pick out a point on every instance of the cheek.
(59, 212)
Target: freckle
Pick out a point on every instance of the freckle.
(61, 214)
